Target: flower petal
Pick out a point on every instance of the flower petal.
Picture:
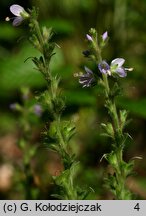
(81, 81)
(121, 72)
(118, 61)
(104, 36)
(17, 21)
(86, 83)
(16, 9)
(88, 71)
(89, 38)
(104, 67)
(86, 79)
(38, 110)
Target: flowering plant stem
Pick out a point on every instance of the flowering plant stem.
(120, 190)
(59, 133)
(50, 81)
(114, 129)
(25, 171)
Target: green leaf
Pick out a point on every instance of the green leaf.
(108, 129)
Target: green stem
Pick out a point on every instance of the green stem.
(120, 175)
(38, 32)
(70, 190)
(121, 179)
(39, 35)
(50, 80)
(115, 117)
(62, 141)
(53, 92)
(28, 182)
(121, 192)
(106, 84)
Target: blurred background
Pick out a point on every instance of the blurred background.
(71, 19)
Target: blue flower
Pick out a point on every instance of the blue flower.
(117, 68)
(89, 38)
(104, 67)
(87, 79)
(13, 106)
(20, 14)
(105, 36)
(38, 110)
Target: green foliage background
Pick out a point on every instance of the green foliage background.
(71, 20)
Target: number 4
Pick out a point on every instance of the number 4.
(137, 206)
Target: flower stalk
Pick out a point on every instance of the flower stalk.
(29, 114)
(59, 132)
(43, 42)
(115, 128)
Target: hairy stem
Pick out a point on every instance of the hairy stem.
(121, 192)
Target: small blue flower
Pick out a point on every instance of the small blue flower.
(104, 67)
(105, 36)
(13, 106)
(20, 14)
(116, 67)
(87, 79)
(89, 38)
(37, 110)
